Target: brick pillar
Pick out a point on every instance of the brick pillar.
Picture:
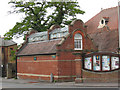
(78, 66)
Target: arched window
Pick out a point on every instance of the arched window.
(78, 41)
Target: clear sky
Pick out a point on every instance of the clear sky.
(91, 7)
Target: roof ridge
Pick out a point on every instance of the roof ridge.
(110, 8)
(100, 12)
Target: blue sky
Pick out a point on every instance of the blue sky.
(91, 7)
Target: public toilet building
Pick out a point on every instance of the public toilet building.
(80, 52)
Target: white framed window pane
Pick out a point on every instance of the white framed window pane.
(96, 63)
(88, 63)
(78, 41)
(114, 63)
(105, 63)
(75, 43)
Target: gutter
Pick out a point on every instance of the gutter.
(37, 54)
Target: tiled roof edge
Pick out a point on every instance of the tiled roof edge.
(99, 13)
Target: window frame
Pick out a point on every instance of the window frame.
(79, 41)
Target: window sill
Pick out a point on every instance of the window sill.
(77, 49)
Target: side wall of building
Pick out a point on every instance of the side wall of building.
(6, 57)
(41, 68)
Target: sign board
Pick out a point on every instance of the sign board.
(96, 62)
(105, 63)
(88, 63)
(115, 62)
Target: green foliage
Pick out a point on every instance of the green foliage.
(13, 56)
(41, 15)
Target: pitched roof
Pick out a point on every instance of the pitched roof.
(105, 38)
(38, 48)
(6, 42)
(93, 23)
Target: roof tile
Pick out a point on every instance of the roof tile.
(43, 47)
(105, 38)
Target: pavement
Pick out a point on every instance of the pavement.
(22, 81)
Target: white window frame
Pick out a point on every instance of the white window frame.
(76, 38)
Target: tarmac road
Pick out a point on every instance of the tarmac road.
(19, 83)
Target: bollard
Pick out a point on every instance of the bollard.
(51, 78)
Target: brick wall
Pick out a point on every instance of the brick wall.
(90, 76)
(41, 68)
(66, 49)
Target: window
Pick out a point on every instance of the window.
(78, 41)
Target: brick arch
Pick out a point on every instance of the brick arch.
(76, 30)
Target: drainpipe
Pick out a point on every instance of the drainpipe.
(119, 25)
(16, 68)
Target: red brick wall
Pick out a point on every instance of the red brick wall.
(90, 76)
(44, 65)
(66, 50)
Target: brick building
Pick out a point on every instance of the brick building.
(103, 29)
(6, 46)
(66, 52)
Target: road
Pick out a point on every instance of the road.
(12, 83)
